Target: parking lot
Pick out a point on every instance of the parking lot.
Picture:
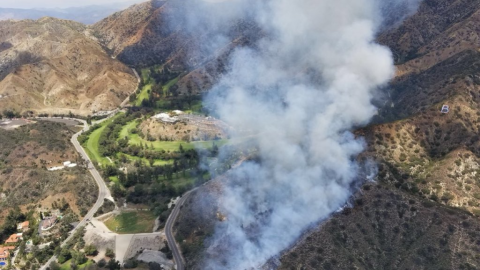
(10, 124)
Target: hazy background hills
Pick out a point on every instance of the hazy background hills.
(85, 14)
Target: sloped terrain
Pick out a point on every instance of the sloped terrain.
(25, 154)
(52, 66)
(146, 35)
(388, 229)
(423, 211)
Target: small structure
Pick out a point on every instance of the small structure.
(69, 164)
(48, 223)
(166, 118)
(14, 238)
(5, 253)
(445, 109)
(177, 112)
(24, 226)
(57, 168)
(66, 164)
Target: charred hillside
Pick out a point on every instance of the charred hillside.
(422, 211)
(149, 34)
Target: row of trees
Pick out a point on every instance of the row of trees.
(9, 114)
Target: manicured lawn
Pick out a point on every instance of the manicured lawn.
(143, 94)
(132, 222)
(113, 179)
(157, 162)
(66, 265)
(173, 146)
(167, 86)
(93, 141)
(92, 146)
(125, 130)
(135, 139)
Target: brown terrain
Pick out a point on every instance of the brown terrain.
(25, 155)
(423, 210)
(190, 128)
(56, 66)
(142, 36)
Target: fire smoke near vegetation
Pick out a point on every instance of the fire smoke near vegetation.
(300, 90)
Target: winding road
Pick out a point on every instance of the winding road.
(177, 253)
(103, 191)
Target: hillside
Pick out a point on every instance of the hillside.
(145, 35)
(428, 161)
(53, 66)
(26, 154)
(423, 210)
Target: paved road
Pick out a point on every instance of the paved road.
(177, 253)
(127, 100)
(103, 192)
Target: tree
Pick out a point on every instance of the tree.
(9, 113)
(54, 266)
(91, 250)
(101, 263)
(117, 190)
(64, 256)
(113, 265)
(109, 253)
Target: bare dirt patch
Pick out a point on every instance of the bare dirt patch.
(189, 128)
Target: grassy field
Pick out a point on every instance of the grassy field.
(173, 146)
(126, 129)
(114, 179)
(143, 94)
(66, 265)
(135, 139)
(91, 146)
(167, 86)
(132, 222)
(157, 162)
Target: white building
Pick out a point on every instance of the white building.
(166, 118)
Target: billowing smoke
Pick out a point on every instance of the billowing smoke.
(296, 95)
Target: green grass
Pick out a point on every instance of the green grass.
(167, 86)
(113, 179)
(135, 139)
(126, 129)
(157, 162)
(132, 222)
(66, 265)
(143, 94)
(91, 146)
(173, 145)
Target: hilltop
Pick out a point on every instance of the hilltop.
(56, 66)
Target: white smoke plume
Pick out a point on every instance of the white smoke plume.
(300, 90)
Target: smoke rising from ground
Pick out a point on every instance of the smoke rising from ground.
(301, 90)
